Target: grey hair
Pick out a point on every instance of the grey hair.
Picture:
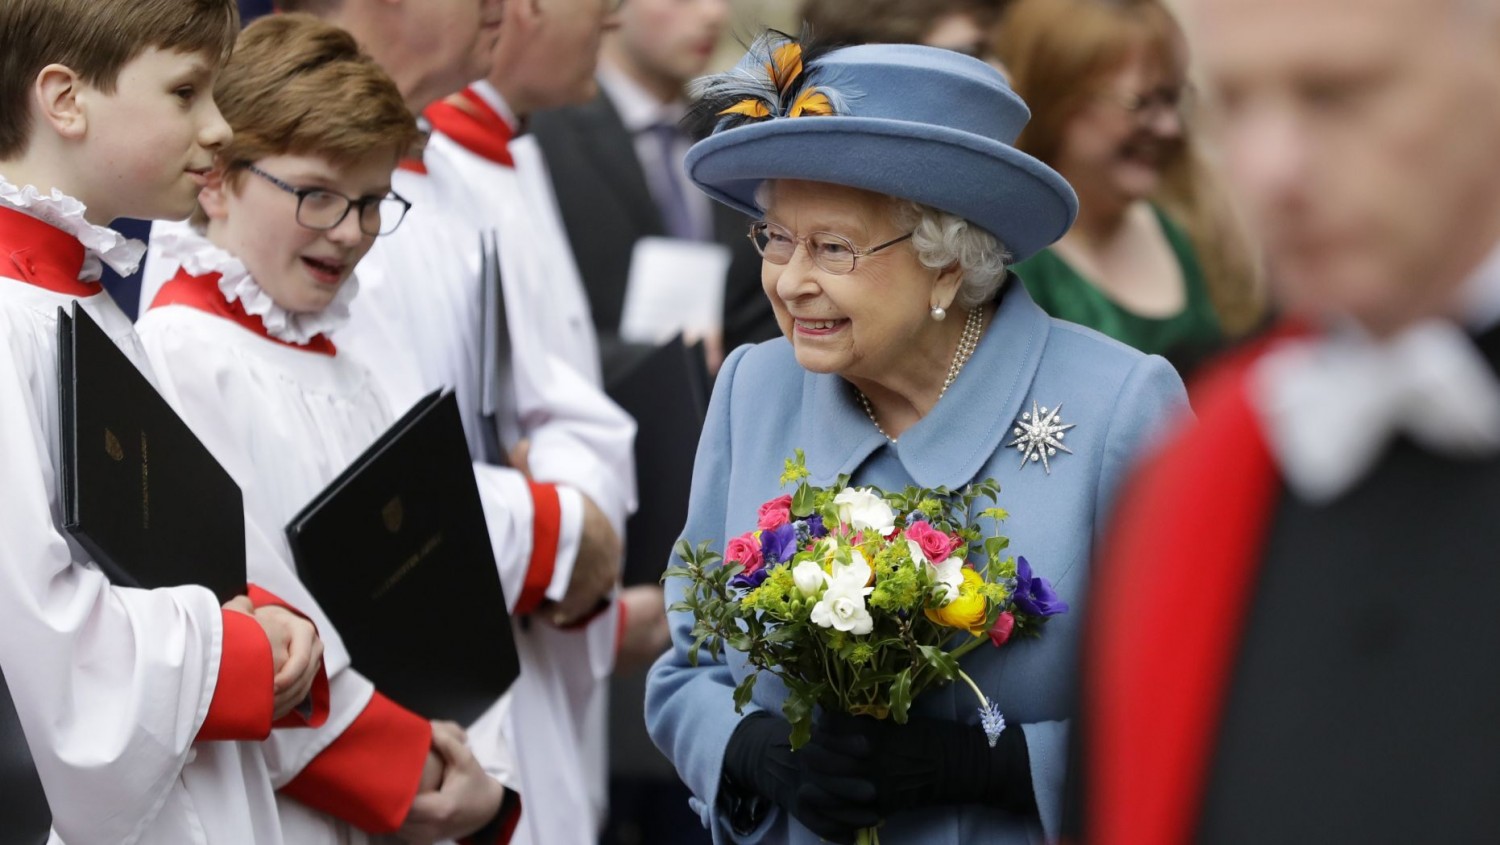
(941, 240)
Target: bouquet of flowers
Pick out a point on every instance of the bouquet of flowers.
(859, 599)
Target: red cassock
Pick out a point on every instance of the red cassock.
(1171, 593)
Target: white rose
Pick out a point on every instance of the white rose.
(843, 607)
(809, 578)
(856, 573)
(865, 510)
(950, 575)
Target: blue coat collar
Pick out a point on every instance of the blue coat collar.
(949, 446)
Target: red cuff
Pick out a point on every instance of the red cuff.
(545, 527)
(243, 698)
(499, 831)
(620, 622)
(313, 711)
(370, 774)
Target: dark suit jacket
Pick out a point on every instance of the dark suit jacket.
(607, 206)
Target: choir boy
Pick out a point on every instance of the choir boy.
(240, 333)
(141, 707)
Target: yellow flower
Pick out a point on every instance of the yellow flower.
(969, 610)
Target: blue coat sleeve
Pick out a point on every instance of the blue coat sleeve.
(690, 710)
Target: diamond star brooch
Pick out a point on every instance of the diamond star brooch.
(1039, 436)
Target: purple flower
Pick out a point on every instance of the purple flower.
(1034, 595)
(993, 722)
(809, 529)
(815, 527)
(750, 579)
(779, 544)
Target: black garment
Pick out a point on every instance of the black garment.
(1365, 702)
(607, 206)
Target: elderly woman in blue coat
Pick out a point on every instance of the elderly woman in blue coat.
(889, 203)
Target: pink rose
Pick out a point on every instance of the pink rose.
(935, 545)
(1000, 632)
(744, 549)
(775, 513)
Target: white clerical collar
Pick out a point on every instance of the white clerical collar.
(196, 254)
(492, 98)
(638, 108)
(100, 243)
(1330, 404)
(1479, 296)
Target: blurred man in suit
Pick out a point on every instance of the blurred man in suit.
(616, 164)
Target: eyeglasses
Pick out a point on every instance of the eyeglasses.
(322, 210)
(832, 253)
(1177, 99)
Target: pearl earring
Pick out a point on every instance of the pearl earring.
(938, 313)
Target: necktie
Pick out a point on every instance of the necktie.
(670, 193)
(1331, 405)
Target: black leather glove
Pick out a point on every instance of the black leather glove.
(834, 802)
(926, 762)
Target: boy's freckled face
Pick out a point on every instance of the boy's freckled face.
(156, 132)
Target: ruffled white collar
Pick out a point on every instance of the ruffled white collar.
(100, 243)
(199, 256)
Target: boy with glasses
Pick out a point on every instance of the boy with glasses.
(240, 333)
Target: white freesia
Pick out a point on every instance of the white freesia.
(865, 510)
(809, 578)
(948, 573)
(843, 603)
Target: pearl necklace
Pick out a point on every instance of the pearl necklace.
(973, 327)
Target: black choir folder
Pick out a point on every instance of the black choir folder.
(24, 817)
(397, 553)
(667, 394)
(140, 492)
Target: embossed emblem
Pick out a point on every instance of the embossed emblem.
(392, 514)
(112, 446)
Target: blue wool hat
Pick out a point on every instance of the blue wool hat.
(907, 121)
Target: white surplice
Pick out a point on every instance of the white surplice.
(419, 323)
(285, 422)
(111, 684)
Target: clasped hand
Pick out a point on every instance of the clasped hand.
(456, 797)
(296, 652)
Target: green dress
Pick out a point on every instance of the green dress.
(1185, 338)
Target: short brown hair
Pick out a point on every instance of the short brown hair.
(887, 21)
(96, 38)
(299, 86)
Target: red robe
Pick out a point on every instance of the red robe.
(1171, 595)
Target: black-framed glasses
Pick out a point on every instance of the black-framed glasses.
(321, 209)
(832, 253)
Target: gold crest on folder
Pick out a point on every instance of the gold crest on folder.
(391, 515)
(112, 446)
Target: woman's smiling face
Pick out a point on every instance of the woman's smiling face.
(864, 323)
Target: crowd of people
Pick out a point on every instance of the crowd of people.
(1246, 251)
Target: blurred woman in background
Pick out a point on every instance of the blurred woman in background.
(1156, 259)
